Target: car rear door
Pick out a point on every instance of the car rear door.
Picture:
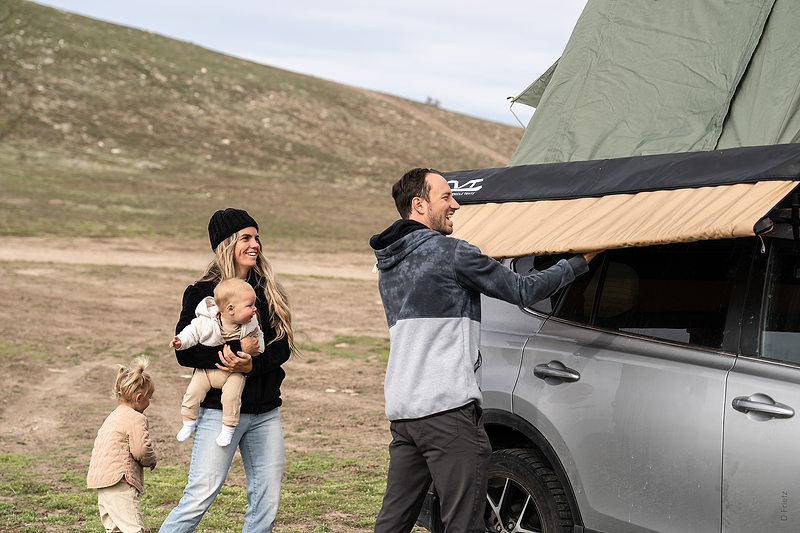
(761, 464)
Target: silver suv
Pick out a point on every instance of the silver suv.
(655, 393)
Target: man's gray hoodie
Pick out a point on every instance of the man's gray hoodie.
(430, 285)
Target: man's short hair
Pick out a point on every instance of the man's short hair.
(411, 185)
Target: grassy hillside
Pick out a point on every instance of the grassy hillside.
(128, 133)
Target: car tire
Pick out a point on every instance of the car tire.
(524, 495)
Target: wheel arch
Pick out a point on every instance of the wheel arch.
(507, 430)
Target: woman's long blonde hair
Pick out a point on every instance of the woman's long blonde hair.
(223, 267)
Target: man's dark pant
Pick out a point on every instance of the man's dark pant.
(453, 450)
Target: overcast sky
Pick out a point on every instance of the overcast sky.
(470, 55)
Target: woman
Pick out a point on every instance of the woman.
(259, 436)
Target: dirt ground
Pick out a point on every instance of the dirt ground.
(75, 309)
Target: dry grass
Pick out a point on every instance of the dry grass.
(133, 134)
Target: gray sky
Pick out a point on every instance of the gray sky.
(468, 54)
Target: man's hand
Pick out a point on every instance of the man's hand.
(590, 255)
(176, 343)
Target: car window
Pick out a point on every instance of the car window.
(579, 300)
(679, 292)
(530, 264)
(780, 324)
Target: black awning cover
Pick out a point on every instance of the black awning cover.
(627, 175)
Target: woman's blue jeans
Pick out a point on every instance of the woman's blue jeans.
(260, 441)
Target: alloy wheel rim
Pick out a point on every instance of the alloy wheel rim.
(510, 508)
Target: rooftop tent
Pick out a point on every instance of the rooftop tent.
(661, 122)
(647, 77)
(623, 202)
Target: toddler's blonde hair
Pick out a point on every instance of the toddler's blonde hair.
(228, 289)
(133, 380)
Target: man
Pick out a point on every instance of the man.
(430, 286)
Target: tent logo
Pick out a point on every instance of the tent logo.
(468, 188)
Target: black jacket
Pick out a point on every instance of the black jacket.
(262, 389)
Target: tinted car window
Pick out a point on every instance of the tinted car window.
(780, 325)
(679, 293)
(530, 264)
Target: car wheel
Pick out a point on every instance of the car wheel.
(524, 495)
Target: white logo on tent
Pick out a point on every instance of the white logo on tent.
(470, 187)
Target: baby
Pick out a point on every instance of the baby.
(229, 315)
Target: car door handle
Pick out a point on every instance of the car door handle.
(557, 370)
(761, 403)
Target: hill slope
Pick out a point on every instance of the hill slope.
(129, 133)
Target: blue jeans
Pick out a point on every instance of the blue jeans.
(260, 441)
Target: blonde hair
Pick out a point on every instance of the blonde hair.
(131, 381)
(228, 290)
(223, 267)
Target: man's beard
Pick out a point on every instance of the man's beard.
(439, 223)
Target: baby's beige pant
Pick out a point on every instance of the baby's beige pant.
(231, 384)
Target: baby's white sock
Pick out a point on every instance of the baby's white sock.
(225, 435)
(187, 430)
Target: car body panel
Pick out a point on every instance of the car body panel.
(502, 345)
(627, 430)
(761, 466)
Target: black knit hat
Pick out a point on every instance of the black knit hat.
(225, 223)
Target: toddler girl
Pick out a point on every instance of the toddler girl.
(121, 450)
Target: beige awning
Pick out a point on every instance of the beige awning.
(513, 229)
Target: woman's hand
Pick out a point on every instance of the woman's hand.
(250, 343)
(234, 362)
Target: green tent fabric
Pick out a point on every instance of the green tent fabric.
(766, 107)
(644, 77)
(532, 94)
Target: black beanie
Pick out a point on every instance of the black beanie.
(225, 223)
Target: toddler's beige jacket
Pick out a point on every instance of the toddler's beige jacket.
(121, 450)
